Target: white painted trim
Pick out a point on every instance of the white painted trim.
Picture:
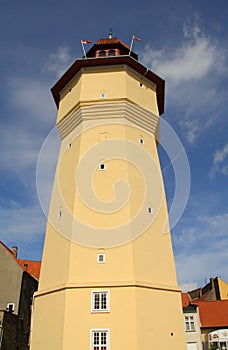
(107, 291)
(98, 261)
(100, 330)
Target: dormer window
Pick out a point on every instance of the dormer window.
(111, 53)
(108, 53)
(102, 53)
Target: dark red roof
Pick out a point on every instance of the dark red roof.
(111, 43)
(108, 61)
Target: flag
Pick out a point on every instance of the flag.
(83, 42)
(132, 40)
(86, 41)
(136, 38)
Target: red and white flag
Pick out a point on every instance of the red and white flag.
(86, 41)
(132, 40)
(136, 38)
(83, 42)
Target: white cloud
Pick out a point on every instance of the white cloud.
(193, 71)
(188, 286)
(31, 99)
(219, 221)
(59, 61)
(193, 126)
(194, 59)
(202, 249)
(201, 265)
(220, 162)
(202, 229)
(30, 115)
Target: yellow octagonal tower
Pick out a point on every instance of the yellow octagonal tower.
(108, 278)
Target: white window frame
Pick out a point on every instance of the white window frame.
(100, 292)
(102, 166)
(10, 305)
(191, 323)
(98, 258)
(99, 346)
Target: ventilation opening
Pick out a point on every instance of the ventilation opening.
(149, 210)
(102, 166)
(60, 214)
(102, 95)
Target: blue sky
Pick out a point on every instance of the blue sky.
(186, 43)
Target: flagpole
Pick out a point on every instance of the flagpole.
(83, 49)
(131, 44)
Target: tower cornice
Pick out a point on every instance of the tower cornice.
(110, 109)
(110, 61)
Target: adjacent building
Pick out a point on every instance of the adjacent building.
(206, 316)
(18, 282)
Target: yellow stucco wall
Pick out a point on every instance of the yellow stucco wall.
(139, 270)
(223, 289)
(116, 83)
(134, 320)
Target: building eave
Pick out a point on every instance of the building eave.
(108, 61)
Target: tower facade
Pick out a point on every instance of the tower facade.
(108, 278)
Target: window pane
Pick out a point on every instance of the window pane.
(96, 301)
(103, 338)
(111, 53)
(96, 338)
(192, 325)
(103, 301)
(102, 53)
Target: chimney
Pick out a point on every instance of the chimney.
(15, 250)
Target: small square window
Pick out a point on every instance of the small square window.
(102, 95)
(141, 141)
(101, 258)
(102, 166)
